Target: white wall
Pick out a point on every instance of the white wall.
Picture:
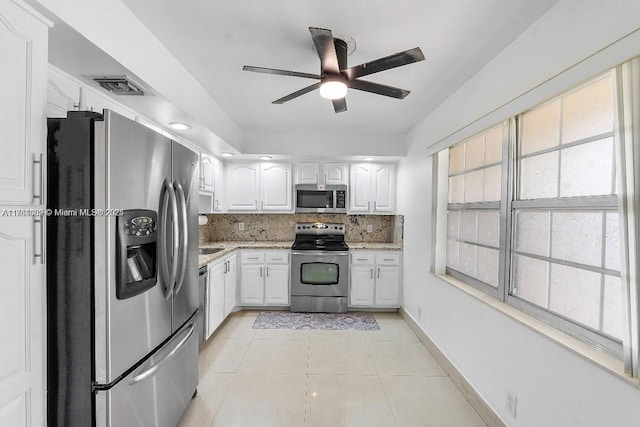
(494, 352)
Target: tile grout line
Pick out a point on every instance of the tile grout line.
(375, 366)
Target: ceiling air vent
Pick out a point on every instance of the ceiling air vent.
(119, 85)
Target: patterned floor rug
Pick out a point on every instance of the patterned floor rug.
(332, 321)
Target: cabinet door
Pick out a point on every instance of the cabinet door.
(230, 286)
(23, 47)
(207, 172)
(360, 188)
(22, 308)
(243, 186)
(383, 182)
(251, 285)
(362, 286)
(387, 286)
(215, 297)
(218, 184)
(276, 284)
(335, 173)
(307, 173)
(275, 181)
(63, 94)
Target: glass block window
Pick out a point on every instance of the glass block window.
(473, 214)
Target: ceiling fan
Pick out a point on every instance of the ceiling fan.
(334, 75)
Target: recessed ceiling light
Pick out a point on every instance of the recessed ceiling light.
(226, 154)
(180, 126)
(265, 157)
(367, 159)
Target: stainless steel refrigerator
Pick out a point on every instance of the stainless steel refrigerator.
(122, 276)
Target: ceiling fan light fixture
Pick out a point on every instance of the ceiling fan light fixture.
(333, 89)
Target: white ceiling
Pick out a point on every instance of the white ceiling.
(212, 40)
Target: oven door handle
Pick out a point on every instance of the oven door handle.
(315, 253)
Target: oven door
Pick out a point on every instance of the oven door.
(319, 273)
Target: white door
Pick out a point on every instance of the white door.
(23, 48)
(251, 285)
(207, 172)
(362, 286)
(335, 173)
(275, 180)
(387, 286)
(63, 94)
(383, 181)
(276, 284)
(242, 186)
(22, 310)
(230, 286)
(360, 188)
(215, 297)
(307, 173)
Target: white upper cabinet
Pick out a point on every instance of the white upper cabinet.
(207, 172)
(23, 46)
(372, 188)
(334, 173)
(243, 186)
(307, 173)
(275, 187)
(321, 173)
(259, 187)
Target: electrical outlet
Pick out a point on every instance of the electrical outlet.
(241, 226)
(369, 228)
(511, 403)
(419, 312)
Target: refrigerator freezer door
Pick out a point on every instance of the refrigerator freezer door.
(157, 393)
(131, 164)
(185, 176)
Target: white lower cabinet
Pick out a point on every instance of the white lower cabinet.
(221, 292)
(264, 278)
(375, 279)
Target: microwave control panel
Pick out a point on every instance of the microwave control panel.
(341, 199)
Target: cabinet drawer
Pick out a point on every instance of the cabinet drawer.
(387, 258)
(277, 257)
(363, 258)
(252, 258)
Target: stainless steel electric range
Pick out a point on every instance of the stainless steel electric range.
(319, 268)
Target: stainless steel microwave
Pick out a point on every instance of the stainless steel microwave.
(312, 198)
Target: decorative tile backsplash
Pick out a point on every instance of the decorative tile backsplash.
(270, 227)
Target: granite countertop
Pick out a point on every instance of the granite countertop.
(230, 246)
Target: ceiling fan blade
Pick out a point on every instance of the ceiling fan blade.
(296, 94)
(280, 72)
(323, 40)
(340, 105)
(386, 63)
(366, 86)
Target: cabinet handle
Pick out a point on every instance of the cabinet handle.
(389, 259)
(374, 205)
(371, 273)
(378, 272)
(225, 267)
(40, 162)
(262, 205)
(216, 205)
(267, 271)
(253, 258)
(361, 259)
(260, 271)
(325, 177)
(368, 206)
(41, 222)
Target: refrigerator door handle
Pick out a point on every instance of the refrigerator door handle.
(150, 367)
(168, 267)
(184, 234)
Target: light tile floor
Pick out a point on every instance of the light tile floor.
(265, 377)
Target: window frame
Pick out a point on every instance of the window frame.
(626, 350)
